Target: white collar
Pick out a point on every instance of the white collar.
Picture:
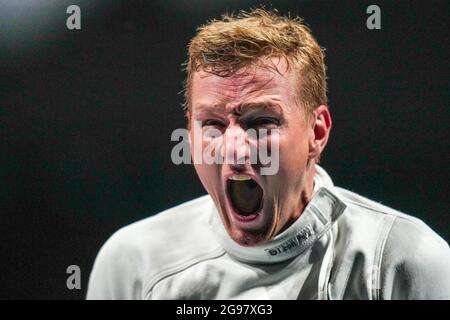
(316, 219)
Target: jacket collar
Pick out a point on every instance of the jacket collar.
(317, 218)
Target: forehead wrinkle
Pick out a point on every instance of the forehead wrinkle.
(249, 84)
(240, 84)
(231, 93)
(230, 100)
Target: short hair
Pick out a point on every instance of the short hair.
(224, 46)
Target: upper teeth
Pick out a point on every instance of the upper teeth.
(239, 177)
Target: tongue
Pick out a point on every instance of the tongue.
(245, 195)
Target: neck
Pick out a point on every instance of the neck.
(305, 195)
(308, 190)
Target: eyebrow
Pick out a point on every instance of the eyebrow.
(251, 107)
(206, 107)
(246, 107)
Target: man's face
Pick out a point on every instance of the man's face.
(253, 207)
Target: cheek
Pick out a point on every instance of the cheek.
(206, 146)
(293, 151)
(205, 172)
(209, 176)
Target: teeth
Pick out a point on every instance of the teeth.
(239, 177)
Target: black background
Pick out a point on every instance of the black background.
(86, 117)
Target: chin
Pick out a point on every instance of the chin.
(248, 239)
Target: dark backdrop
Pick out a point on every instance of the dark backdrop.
(86, 118)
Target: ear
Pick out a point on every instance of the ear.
(320, 131)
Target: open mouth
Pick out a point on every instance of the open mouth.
(245, 195)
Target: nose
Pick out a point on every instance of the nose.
(235, 149)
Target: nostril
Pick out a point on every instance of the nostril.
(237, 168)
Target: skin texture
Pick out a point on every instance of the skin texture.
(257, 97)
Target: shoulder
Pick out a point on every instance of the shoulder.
(366, 212)
(411, 260)
(365, 205)
(135, 254)
(415, 263)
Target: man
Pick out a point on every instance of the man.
(290, 234)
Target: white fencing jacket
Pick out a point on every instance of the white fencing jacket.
(343, 246)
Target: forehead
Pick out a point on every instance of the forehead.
(249, 84)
